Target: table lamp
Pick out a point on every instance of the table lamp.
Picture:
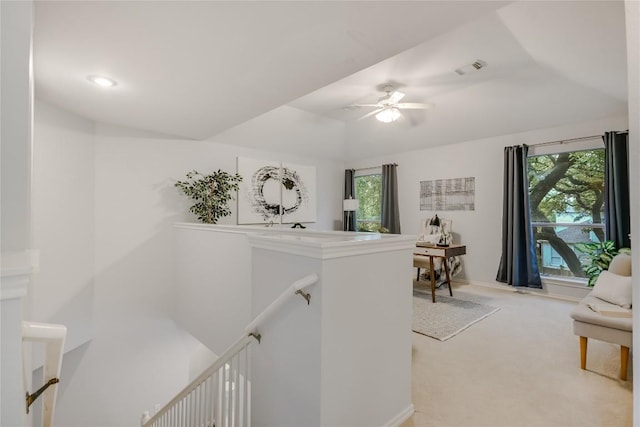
(349, 205)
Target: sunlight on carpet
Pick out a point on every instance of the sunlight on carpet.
(447, 316)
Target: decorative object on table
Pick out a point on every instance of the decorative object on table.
(349, 205)
(447, 317)
(211, 193)
(436, 227)
(433, 224)
(599, 255)
(445, 231)
(438, 231)
(457, 194)
(276, 192)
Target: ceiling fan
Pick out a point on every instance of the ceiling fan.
(387, 109)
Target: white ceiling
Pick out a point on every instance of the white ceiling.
(195, 69)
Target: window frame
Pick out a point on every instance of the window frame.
(594, 143)
(362, 173)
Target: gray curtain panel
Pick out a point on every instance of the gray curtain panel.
(390, 213)
(349, 219)
(617, 216)
(518, 264)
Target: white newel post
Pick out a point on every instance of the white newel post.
(13, 289)
(16, 115)
(344, 359)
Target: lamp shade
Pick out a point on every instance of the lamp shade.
(350, 205)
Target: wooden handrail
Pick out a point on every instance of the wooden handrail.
(294, 289)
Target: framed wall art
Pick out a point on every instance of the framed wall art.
(276, 192)
(457, 194)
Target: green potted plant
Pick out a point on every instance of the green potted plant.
(600, 255)
(211, 194)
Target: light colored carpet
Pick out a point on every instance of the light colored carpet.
(446, 317)
(519, 367)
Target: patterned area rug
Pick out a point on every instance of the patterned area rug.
(447, 316)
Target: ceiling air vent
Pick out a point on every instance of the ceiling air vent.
(475, 65)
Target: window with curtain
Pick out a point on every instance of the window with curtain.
(368, 185)
(566, 194)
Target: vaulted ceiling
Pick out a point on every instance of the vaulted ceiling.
(196, 69)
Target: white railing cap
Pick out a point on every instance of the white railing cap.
(42, 331)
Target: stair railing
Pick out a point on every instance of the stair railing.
(221, 395)
(53, 337)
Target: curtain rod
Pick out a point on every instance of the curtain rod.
(565, 141)
(372, 167)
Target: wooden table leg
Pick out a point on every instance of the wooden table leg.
(446, 269)
(433, 279)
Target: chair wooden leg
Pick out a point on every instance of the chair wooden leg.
(418, 277)
(624, 359)
(583, 352)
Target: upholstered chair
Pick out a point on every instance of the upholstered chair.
(604, 314)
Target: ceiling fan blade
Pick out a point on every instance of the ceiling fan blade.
(395, 97)
(363, 105)
(414, 106)
(371, 113)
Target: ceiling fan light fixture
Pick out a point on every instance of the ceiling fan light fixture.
(388, 115)
(102, 81)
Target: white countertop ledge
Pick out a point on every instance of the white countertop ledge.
(313, 243)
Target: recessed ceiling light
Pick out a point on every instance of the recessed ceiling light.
(102, 81)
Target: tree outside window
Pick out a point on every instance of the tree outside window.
(369, 195)
(566, 195)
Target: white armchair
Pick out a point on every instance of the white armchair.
(603, 314)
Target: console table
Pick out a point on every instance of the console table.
(426, 249)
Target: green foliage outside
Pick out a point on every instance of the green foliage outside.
(567, 182)
(369, 195)
(373, 227)
(211, 193)
(600, 255)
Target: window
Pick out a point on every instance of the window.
(369, 195)
(566, 193)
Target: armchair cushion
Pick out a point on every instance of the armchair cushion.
(613, 288)
(582, 313)
(620, 265)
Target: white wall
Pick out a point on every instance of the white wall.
(63, 216)
(15, 133)
(632, 20)
(15, 157)
(480, 229)
(138, 357)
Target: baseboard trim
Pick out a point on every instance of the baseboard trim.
(401, 417)
(549, 291)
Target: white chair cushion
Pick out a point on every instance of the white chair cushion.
(613, 288)
(621, 265)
